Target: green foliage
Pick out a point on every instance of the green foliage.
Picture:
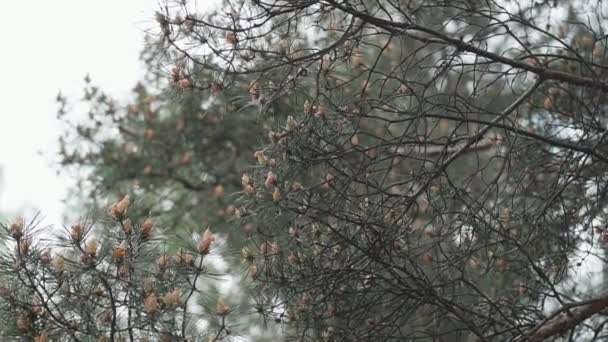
(429, 183)
(108, 280)
(387, 170)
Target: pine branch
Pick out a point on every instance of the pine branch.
(567, 317)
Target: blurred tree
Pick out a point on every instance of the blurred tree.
(179, 147)
(441, 174)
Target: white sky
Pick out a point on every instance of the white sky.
(47, 46)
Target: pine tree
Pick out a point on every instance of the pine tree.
(441, 175)
(108, 284)
(389, 170)
(178, 147)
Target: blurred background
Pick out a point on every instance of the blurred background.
(50, 46)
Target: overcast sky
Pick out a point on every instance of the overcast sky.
(48, 46)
